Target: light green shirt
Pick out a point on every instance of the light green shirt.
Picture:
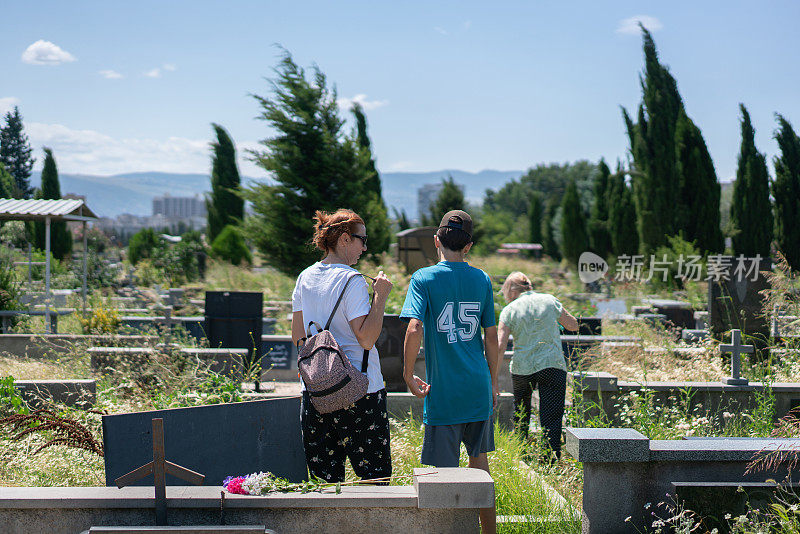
(533, 321)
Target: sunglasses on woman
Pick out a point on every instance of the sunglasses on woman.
(363, 238)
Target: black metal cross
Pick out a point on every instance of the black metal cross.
(159, 468)
(736, 349)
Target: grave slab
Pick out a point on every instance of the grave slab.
(73, 393)
(217, 440)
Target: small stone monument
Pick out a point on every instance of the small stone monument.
(736, 349)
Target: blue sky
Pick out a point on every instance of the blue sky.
(118, 87)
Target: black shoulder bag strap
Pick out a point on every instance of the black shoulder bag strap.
(365, 358)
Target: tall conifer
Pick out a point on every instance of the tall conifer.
(225, 204)
(549, 245)
(375, 213)
(574, 236)
(599, 237)
(60, 238)
(786, 192)
(621, 216)
(698, 214)
(7, 185)
(15, 153)
(535, 216)
(751, 212)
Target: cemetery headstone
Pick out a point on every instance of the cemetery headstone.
(736, 349)
(390, 351)
(734, 298)
(590, 326)
(234, 319)
(279, 353)
(218, 440)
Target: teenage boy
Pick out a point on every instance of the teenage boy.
(450, 302)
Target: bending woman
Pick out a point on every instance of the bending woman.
(361, 431)
(533, 319)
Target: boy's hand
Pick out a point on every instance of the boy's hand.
(382, 286)
(418, 387)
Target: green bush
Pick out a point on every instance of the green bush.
(9, 286)
(142, 245)
(230, 246)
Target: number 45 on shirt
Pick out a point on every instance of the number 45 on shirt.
(467, 316)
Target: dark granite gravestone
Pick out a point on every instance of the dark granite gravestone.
(234, 320)
(390, 350)
(734, 301)
(218, 440)
(279, 353)
(678, 313)
(590, 326)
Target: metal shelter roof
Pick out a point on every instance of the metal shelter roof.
(38, 210)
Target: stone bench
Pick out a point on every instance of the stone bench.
(74, 393)
(441, 500)
(623, 471)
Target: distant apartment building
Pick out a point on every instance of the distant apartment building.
(179, 207)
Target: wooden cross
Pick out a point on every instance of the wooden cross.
(736, 349)
(159, 468)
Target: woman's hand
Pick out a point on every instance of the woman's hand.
(381, 286)
(418, 387)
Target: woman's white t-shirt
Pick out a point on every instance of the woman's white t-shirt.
(315, 294)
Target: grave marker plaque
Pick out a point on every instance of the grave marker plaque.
(390, 350)
(234, 320)
(279, 352)
(217, 440)
(734, 301)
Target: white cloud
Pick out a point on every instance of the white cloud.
(95, 153)
(399, 166)
(7, 104)
(347, 103)
(154, 73)
(630, 26)
(111, 74)
(46, 53)
(440, 30)
(169, 67)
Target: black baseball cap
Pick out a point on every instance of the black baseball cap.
(460, 220)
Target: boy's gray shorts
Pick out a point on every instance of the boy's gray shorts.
(442, 443)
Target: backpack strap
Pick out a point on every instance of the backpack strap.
(339, 301)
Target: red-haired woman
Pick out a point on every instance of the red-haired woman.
(360, 432)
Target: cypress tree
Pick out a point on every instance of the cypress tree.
(786, 192)
(599, 237)
(375, 213)
(60, 238)
(549, 245)
(574, 237)
(621, 216)
(751, 212)
(699, 191)
(15, 153)
(652, 140)
(535, 217)
(314, 167)
(225, 206)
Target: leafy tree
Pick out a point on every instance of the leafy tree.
(6, 183)
(786, 192)
(230, 246)
(375, 214)
(143, 244)
(451, 197)
(225, 204)
(751, 212)
(60, 237)
(698, 212)
(314, 165)
(549, 245)
(574, 237)
(621, 216)
(15, 153)
(652, 140)
(599, 237)
(535, 216)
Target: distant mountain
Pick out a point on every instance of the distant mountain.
(133, 193)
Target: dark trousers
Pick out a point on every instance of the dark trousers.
(552, 384)
(360, 432)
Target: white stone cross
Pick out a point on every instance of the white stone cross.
(736, 349)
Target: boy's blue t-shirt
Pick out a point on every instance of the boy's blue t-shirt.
(453, 301)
